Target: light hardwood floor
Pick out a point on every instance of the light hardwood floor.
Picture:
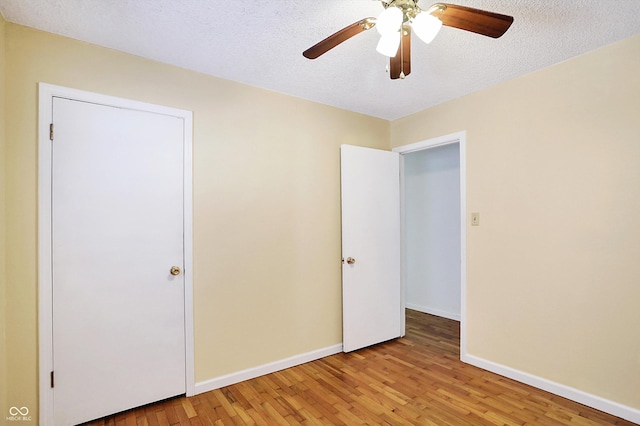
(416, 380)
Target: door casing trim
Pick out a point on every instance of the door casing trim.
(45, 279)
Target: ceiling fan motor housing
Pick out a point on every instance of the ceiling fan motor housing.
(409, 8)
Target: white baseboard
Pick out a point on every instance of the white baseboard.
(628, 413)
(433, 311)
(261, 370)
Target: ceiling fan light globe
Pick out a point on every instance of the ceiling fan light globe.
(388, 44)
(389, 21)
(426, 26)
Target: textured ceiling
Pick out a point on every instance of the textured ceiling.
(260, 43)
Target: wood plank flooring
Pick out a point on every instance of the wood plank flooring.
(416, 380)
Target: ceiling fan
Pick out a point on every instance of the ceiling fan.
(400, 17)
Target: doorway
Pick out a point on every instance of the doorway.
(433, 211)
(432, 230)
(115, 284)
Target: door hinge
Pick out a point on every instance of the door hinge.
(51, 135)
(52, 379)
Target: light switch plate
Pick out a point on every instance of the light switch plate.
(475, 219)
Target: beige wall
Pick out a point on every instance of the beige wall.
(553, 271)
(266, 204)
(3, 352)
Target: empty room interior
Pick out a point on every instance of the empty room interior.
(535, 142)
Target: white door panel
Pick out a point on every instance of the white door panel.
(371, 235)
(118, 313)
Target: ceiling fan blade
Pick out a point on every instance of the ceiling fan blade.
(335, 39)
(475, 20)
(400, 65)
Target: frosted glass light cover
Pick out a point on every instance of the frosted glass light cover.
(389, 44)
(389, 21)
(426, 26)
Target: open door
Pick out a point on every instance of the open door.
(371, 289)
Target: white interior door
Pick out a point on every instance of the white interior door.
(371, 287)
(118, 312)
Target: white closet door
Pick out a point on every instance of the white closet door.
(118, 312)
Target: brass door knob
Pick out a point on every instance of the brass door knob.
(175, 270)
(351, 260)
